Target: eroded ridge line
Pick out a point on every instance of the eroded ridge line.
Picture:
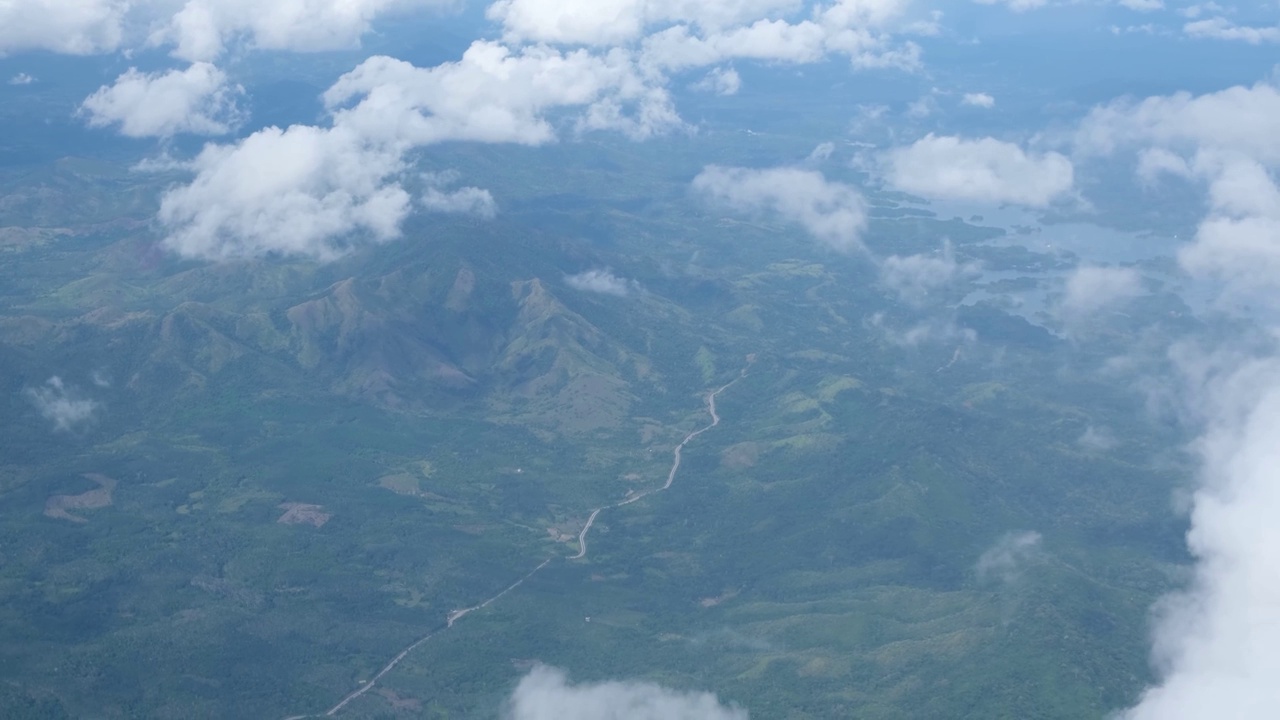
(675, 464)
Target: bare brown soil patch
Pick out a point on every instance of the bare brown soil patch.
(58, 506)
(400, 484)
(740, 456)
(303, 514)
(398, 702)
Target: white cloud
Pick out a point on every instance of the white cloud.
(677, 34)
(438, 197)
(61, 405)
(1238, 119)
(832, 212)
(1154, 163)
(1008, 556)
(982, 100)
(914, 277)
(21, 79)
(1231, 141)
(1217, 644)
(197, 100)
(494, 94)
(315, 191)
(721, 81)
(1245, 252)
(601, 281)
(466, 201)
(821, 153)
(301, 191)
(922, 108)
(546, 694)
(1016, 5)
(851, 28)
(930, 331)
(984, 171)
(77, 27)
(1192, 12)
(202, 29)
(614, 22)
(195, 30)
(1220, 28)
(1092, 288)
(1024, 5)
(1098, 439)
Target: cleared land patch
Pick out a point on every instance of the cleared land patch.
(59, 506)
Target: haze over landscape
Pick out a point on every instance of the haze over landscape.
(639, 359)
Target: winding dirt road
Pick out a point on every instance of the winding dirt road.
(457, 615)
(675, 464)
(454, 617)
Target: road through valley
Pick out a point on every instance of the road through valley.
(457, 615)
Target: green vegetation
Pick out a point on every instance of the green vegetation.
(436, 416)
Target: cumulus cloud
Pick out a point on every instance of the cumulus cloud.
(201, 29)
(61, 404)
(985, 171)
(1243, 251)
(315, 191)
(77, 27)
(1217, 644)
(495, 94)
(195, 30)
(601, 281)
(300, 191)
(1239, 120)
(546, 694)
(1229, 141)
(1091, 288)
(914, 277)
(1008, 556)
(981, 100)
(21, 79)
(198, 100)
(1220, 28)
(613, 22)
(678, 34)
(464, 201)
(439, 197)
(832, 212)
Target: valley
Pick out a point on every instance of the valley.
(444, 413)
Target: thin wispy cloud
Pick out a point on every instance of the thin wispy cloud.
(602, 281)
(1006, 559)
(833, 213)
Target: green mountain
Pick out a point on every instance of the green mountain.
(312, 466)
